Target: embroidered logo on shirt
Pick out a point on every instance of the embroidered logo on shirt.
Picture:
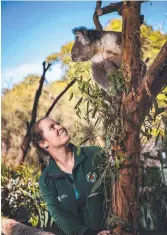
(91, 177)
(61, 197)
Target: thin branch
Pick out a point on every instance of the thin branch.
(59, 96)
(96, 17)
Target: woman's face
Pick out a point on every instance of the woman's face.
(54, 134)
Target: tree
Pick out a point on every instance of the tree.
(136, 103)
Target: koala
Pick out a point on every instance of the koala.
(102, 48)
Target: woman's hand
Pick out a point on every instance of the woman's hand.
(104, 232)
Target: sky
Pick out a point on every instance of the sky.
(32, 30)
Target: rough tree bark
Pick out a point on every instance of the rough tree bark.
(125, 193)
(135, 105)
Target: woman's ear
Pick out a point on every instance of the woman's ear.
(44, 144)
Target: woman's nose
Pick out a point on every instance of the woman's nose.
(58, 126)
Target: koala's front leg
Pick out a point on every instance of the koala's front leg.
(100, 75)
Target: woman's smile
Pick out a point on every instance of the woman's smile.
(62, 131)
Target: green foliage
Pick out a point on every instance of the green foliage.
(20, 194)
(103, 107)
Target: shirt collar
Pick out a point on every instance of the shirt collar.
(55, 172)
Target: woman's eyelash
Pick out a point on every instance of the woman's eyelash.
(53, 125)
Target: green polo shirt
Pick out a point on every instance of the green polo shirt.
(75, 216)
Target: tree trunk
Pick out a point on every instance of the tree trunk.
(125, 192)
(135, 106)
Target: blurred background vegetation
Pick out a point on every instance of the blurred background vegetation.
(20, 192)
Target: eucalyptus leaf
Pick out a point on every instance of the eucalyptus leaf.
(78, 103)
(78, 150)
(71, 96)
(96, 185)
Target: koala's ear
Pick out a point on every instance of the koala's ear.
(80, 36)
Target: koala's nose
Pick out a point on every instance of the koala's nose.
(73, 57)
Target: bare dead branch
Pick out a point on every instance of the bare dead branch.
(38, 94)
(59, 96)
(96, 17)
(27, 138)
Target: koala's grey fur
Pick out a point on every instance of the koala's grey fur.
(102, 48)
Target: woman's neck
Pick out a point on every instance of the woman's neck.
(64, 158)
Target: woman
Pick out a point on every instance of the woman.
(66, 182)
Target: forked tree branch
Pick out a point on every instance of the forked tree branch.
(109, 9)
(112, 8)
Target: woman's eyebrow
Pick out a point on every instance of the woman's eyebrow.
(50, 126)
(55, 122)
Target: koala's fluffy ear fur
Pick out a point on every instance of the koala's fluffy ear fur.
(81, 35)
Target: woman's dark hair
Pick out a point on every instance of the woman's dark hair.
(37, 136)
